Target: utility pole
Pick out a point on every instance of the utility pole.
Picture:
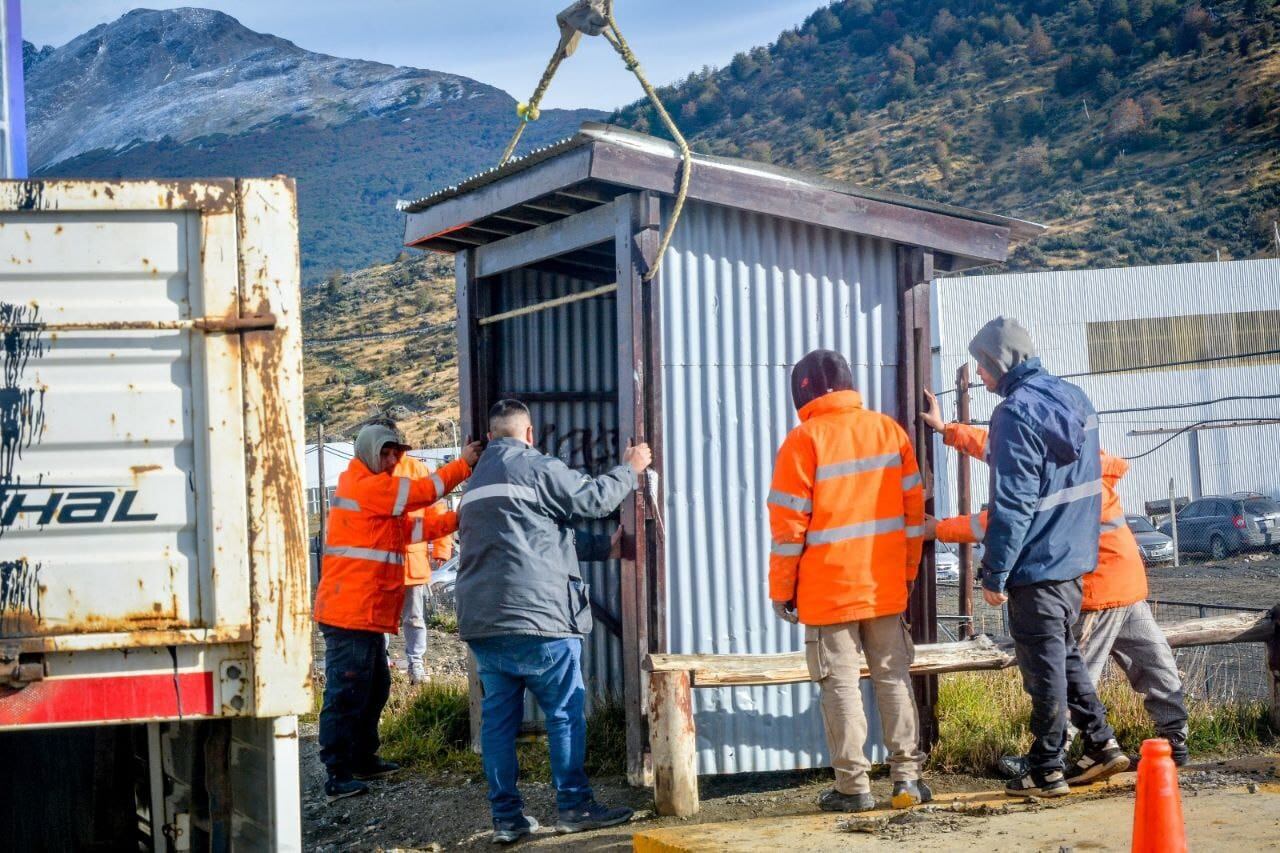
(324, 494)
(964, 506)
(1173, 523)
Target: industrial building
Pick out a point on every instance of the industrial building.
(1196, 419)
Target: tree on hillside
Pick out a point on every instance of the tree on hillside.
(1039, 47)
(1126, 120)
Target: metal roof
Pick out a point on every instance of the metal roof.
(601, 162)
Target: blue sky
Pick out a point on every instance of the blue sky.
(505, 43)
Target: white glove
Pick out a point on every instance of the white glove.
(785, 612)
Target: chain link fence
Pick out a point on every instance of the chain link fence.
(1228, 673)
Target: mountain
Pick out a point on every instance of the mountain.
(1141, 131)
(193, 93)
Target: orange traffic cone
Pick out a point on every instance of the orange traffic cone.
(1157, 817)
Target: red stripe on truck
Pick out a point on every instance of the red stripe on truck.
(95, 700)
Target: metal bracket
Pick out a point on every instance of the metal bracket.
(234, 687)
(16, 674)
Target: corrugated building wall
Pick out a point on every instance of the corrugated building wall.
(570, 354)
(1090, 320)
(743, 297)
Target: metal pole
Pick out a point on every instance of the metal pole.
(324, 494)
(964, 506)
(1173, 521)
(1193, 444)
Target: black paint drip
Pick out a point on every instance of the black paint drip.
(21, 423)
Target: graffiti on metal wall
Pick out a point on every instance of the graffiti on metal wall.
(594, 450)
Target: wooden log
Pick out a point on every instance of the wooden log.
(980, 653)
(672, 740)
(475, 696)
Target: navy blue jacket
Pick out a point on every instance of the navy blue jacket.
(1046, 482)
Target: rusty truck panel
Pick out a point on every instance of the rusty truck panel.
(150, 445)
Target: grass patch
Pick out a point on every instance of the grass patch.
(427, 728)
(443, 621)
(983, 716)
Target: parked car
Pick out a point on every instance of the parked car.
(1223, 525)
(1154, 545)
(946, 564)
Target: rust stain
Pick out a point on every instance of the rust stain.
(142, 469)
(57, 230)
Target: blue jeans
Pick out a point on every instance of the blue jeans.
(551, 670)
(357, 684)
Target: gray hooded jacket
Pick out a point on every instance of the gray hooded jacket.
(518, 568)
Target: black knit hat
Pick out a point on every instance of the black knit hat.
(820, 372)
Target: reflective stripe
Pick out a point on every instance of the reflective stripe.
(365, 554)
(499, 490)
(1114, 524)
(916, 532)
(910, 482)
(787, 549)
(787, 501)
(440, 489)
(857, 466)
(417, 530)
(1069, 495)
(344, 503)
(854, 531)
(1091, 422)
(402, 496)
(976, 528)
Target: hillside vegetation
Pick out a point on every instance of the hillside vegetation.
(1140, 131)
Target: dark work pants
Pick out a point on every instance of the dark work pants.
(356, 687)
(1053, 673)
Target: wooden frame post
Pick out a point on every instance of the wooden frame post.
(635, 244)
(674, 740)
(1273, 664)
(964, 506)
(915, 271)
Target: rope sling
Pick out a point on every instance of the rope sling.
(595, 17)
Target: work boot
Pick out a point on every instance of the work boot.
(417, 675)
(339, 789)
(1036, 784)
(375, 768)
(834, 801)
(591, 816)
(509, 831)
(912, 793)
(1098, 762)
(1178, 745)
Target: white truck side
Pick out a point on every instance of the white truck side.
(155, 633)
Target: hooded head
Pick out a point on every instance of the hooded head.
(1000, 346)
(370, 441)
(818, 373)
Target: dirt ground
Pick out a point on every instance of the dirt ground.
(415, 812)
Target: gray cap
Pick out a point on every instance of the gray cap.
(1001, 345)
(370, 441)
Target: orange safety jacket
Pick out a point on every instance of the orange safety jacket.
(419, 553)
(846, 510)
(362, 579)
(1121, 576)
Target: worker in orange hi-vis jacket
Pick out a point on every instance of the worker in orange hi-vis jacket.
(420, 557)
(846, 512)
(361, 595)
(1115, 620)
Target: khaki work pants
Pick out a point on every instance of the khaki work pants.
(834, 654)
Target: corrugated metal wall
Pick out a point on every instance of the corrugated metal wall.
(1056, 306)
(571, 350)
(743, 298)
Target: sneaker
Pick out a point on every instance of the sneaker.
(376, 768)
(908, 794)
(1033, 784)
(591, 816)
(1178, 744)
(834, 801)
(340, 789)
(510, 831)
(418, 676)
(1098, 763)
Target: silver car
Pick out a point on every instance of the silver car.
(1154, 545)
